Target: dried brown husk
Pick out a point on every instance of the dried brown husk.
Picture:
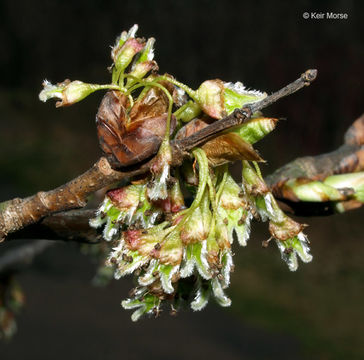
(127, 138)
(222, 149)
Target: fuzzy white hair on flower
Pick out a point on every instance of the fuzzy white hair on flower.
(50, 91)
(240, 88)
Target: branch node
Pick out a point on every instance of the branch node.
(104, 166)
(242, 114)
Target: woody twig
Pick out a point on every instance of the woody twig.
(18, 213)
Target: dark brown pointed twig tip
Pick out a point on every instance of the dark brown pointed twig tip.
(309, 76)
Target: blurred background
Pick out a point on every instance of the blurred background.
(315, 313)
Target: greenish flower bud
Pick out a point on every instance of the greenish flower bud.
(289, 249)
(210, 97)
(174, 201)
(195, 255)
(123, 56)
(68, 92)
(140, 70)
(157, 189)
(236, 96)
(124, 207)
(143, 64)
(197, 227)
(218, 99)
(252, 182)
(285, 229)
(143, 302)
(166, 273)
(107, 214)
(126, 47)
(171, 251)
(232, 208)
(127, 261)
(255, 129)
(125, 35)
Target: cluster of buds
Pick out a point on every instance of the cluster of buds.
(178, 254)
(134, 55)
(189, 248)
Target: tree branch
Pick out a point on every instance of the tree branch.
(239, 116)
(73, 225)
(18, 213)
(348, 158)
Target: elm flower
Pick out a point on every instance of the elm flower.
(287, 232)
(143, 64)
(182, 255)
(289, 237)
(125, 35)
(290, 248)
(195, 255)
(125, 48)
(256, 128)
(124, 207)
(158, 250)
(233, 209)
(207, 289)
(69, 92)
(218, 99)
(143, 302)
(174, 202)
(158, 186)
(197, 228)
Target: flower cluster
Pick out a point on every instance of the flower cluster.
(180, 254)
(183, 255)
